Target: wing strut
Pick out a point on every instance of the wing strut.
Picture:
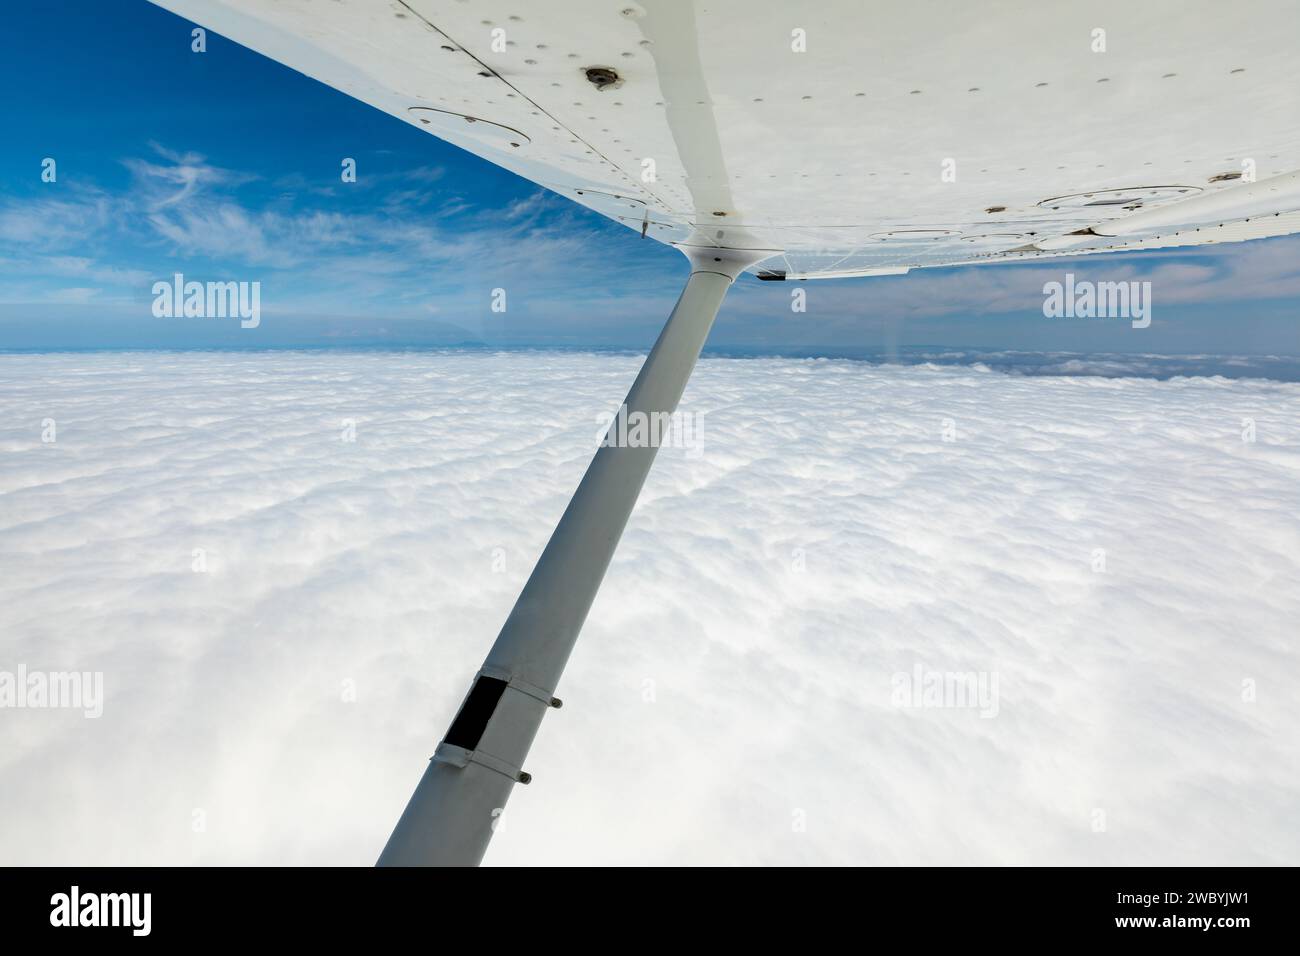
(452, 814)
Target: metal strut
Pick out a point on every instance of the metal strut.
(452, 814)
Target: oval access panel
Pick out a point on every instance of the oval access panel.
(997, 238)
(1134, 196)
(915, 235)
(473, 127)
(600, 195)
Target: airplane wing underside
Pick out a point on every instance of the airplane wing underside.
(845, 137)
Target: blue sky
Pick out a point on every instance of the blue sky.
(224, 165)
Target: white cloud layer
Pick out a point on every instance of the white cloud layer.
(1120, 692)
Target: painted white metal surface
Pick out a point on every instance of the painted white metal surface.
(822, 131)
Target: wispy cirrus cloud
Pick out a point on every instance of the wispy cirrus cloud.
(180, 177)
(408, 242)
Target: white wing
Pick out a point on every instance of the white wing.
(846, 137)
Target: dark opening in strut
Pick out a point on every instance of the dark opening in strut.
(467, 729)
